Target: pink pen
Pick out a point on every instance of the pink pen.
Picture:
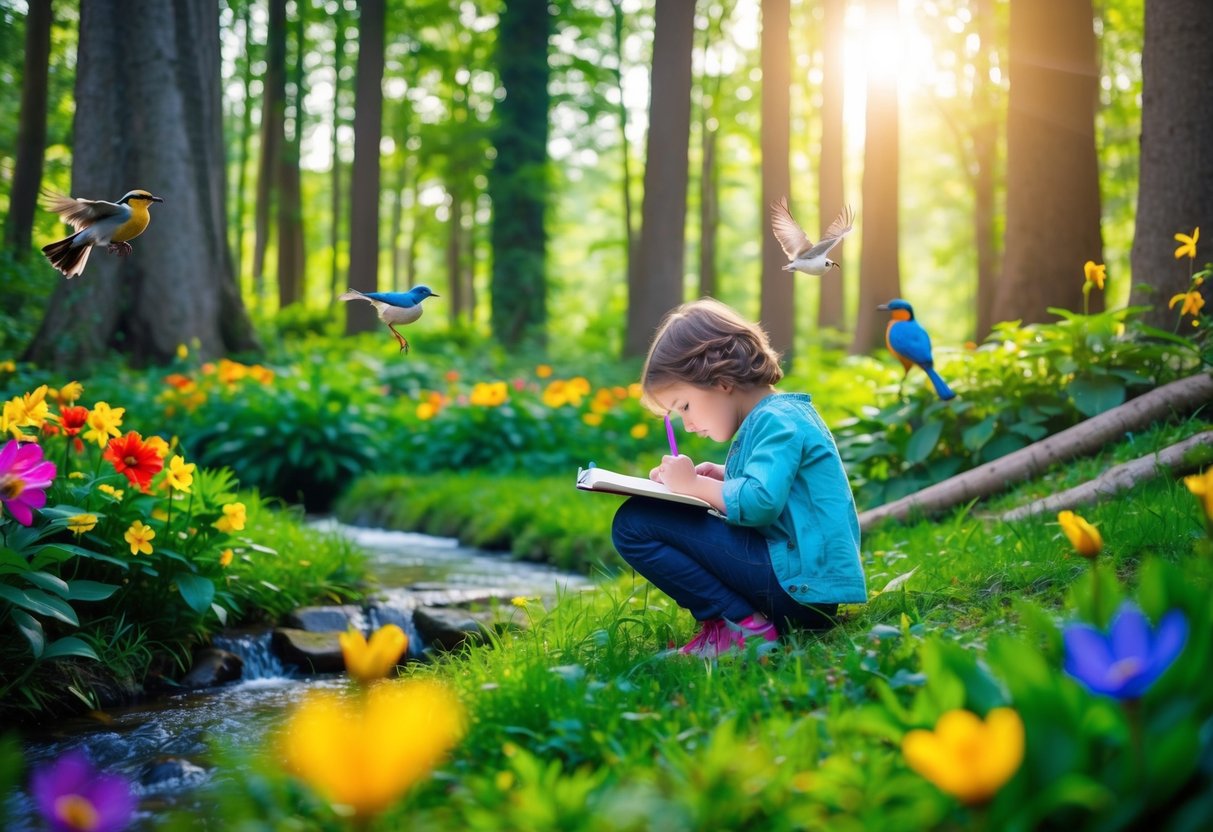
(669, 433)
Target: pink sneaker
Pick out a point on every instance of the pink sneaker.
(720, 636)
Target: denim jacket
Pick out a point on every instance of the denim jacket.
(783, 476)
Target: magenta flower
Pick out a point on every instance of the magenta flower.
(73, 796)
(24, 476)
(1124, 662)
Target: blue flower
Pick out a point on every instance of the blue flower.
(1129, 658)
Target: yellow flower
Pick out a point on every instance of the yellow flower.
(70, 392)
(966, 757)
(555, 394)
(106, 488)
(518, 601)
(1083, 536)
(489, 394)
(639, 430)
(426, 411)
(225, 557)
(28, 410)
(1193, 303)
(233, 518)
(544, 371)
(157, 444)
(8, 366)
(230, 372)
(183, 352)
(1187, 244)
(365, 752)
(592, 419)
(140, 538)
(78, 524)
(103, 422)
(1095, 273)
(368, 661)
(179, 475)
(1201, 486)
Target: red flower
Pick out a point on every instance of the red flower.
(73, 419)
(134, 458)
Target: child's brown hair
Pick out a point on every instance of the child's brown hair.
(706, 343)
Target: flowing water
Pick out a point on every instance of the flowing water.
(163, 745)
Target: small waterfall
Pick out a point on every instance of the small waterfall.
(259, 660)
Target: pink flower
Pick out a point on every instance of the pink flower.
(24, 476)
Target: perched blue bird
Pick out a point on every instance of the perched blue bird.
(394, 307)
(911, 345)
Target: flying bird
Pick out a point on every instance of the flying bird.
(96, 223)
(803, 254)
(911, 345)
(394, 307)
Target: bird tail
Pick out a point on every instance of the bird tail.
(941, 387)
(352, 294)
(67, 257)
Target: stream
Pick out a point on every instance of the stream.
(163, 745)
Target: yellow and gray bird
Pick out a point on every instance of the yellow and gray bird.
(394, 307)
(97, 223)
(803, 254)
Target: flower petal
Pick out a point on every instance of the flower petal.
(1129, 634)
(1088, 656)
(1169, 641)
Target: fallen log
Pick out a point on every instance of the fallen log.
(1178, 397)
(1172, 460)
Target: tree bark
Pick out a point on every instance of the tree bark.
(178, 284)
(658, 283)
(273, 121)
(830, 189)
(364, 184)
(1178, 397)
(1052, 172)
(1175, 190)
(246, 130)
(31, 131)
(291, 254)
(518, 181)
(335, 201)
(778, 301)
(985, 158)
(879, 268)
(629, 233)
(1172, 460)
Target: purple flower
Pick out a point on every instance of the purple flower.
(73, 796)
(1129, 658)
(24, 477)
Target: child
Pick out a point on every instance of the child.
(782, 547)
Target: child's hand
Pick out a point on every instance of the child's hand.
(711, 470)
(678, 473)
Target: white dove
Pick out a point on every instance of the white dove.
(803, 254)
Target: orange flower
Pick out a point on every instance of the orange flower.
(1095, 273)
(73, 419)
(134, 459)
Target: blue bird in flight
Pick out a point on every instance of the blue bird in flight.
(395, 307)
(910, 344)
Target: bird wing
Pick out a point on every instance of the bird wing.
(787, 231)
(908, 338)
(842, 225)
(81, 213)
(404, 300)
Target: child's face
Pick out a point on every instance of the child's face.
(707, 411)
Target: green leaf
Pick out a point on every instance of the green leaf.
(47, 581)
(923, 441)
(56, 552)
(197, 591)
(69, 646)
(976, 437)
(89, 591)
(1093, 396)
(37, 601)
(31, 628)
(220, 613)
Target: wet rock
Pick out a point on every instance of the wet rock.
(310, 652)
(213, 666)
(321, 619)
(381, 615)
(448, 628)
(163, 772)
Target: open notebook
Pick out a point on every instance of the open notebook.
(600, 479)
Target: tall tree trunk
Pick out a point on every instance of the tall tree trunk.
(985, 158)
(629, 234)
(165, 96)
(518, 181)
(397, 226)
(364, 184)
(454, 250)
(709, 179)
(657, 287)
(273, 120)
(830, 195)
(1052, 170)
(246, 130)
(1175, 191)
(31, 132)
(291, 255)
(879, 269)
(778, 307)
(340, 22)
(469, 263)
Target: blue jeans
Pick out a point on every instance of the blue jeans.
(712, 568)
